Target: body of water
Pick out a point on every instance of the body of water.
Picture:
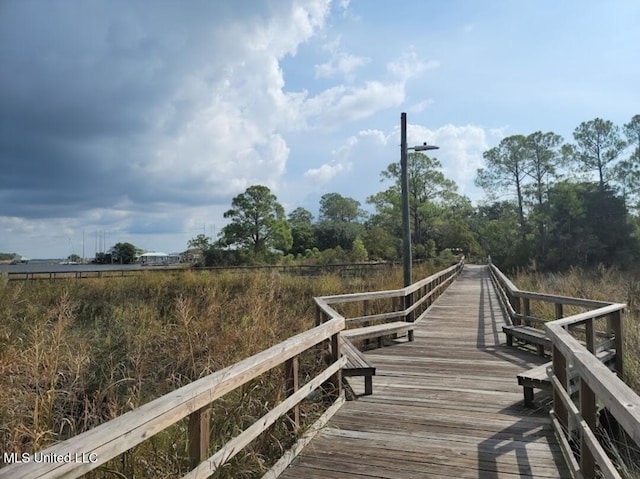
(45, 266)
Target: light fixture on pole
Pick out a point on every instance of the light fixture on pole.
(404, 183)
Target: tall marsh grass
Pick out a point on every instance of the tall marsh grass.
(75, 354)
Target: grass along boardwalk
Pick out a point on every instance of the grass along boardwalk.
(445, 405)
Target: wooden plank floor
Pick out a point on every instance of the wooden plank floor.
(445, 405)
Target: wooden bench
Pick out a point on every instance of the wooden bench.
(539, 377)
(379, 331)
(357, 364)
(527, 334)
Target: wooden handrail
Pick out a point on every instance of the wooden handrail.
(111, 271)
(392, 293)
(598, 384)
(111, 439)
(414, 297)
(554, 298)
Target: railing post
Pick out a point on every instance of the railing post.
(526, 306)
(291, 367)
(588, 410)
(335, 356)
(365, 312)
(616, 327)
(412, 300)
(318, 315)
(560, 371)
(590, 336)
(199, 435)
(408, 317)
(515, 302)
(559, 312)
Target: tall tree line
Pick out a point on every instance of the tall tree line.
(549, 204)
(571, 199)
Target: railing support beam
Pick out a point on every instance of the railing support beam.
(560, 371)
(199, 422)
(588, 410)
(616, 327)
(291, 368)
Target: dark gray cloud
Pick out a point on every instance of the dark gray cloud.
(97, 97)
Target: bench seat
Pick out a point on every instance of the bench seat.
(529, 335)
(357, 364)
(539, 377)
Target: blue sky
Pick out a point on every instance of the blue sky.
(142, 120)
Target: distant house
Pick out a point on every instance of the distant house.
(194, 255)
(19, 259)
(158, 259)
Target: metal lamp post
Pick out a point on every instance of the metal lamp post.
(404, 181)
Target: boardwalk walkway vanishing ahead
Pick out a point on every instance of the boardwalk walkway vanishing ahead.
(445, 405)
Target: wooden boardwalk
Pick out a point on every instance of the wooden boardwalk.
(445, 405)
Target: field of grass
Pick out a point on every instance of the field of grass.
(75, 354)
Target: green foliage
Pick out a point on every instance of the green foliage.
(302, 231)
(103, 258)
(339, 223)
(333, 256)
(335, 208)
(430, 195)
(124, 253)
(201, 242)
(358, 251)
(424, 250)
(496, 227)
(258, 223)
(627, 172)
(333, 234)
(587, 226)
(216, 256)
(506, 169)
(446, 257)
(598, 145)
(381, 244)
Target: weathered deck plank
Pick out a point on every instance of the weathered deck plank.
(445, 405)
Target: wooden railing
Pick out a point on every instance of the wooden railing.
(113, 438)
(577, 341)
(89, 450)
(406, 304)
(78, 274)
(111, 271)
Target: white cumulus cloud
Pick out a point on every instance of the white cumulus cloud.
(341, 64)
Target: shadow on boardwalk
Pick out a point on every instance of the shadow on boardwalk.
(445, 405)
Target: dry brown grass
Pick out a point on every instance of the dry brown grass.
(74, 354)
